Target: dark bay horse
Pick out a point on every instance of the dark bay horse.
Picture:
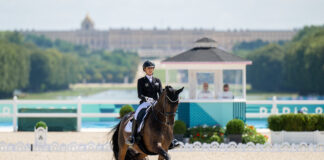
(157, 132)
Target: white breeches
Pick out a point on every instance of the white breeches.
(140, 107)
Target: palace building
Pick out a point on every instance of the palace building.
(157, 42)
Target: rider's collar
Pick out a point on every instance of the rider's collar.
(149, 77)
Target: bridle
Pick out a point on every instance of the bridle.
(164, 113)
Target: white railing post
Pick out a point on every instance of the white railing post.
(244, 81)
(79, 111)
(14, 114)
(274, 109)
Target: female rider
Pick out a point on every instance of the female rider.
(149, 89)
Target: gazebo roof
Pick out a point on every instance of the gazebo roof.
(205, 39)
(205, 50)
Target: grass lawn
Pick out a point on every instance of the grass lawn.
(73, 92)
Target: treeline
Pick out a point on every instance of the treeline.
(97, 65)
(243, 49)
(295, 66)
(36, 64)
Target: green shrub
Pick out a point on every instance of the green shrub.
(320, 123)
(234, 126)
(293, 122)
(274, 123)
(310, 122)
(215, 138)
(41, 124)
(125, 109)
(179, 127)
(296, 122)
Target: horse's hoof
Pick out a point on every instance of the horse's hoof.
(167, 157)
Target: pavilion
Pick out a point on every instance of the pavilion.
(206, 56)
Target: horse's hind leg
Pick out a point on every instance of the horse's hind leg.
(122, 152)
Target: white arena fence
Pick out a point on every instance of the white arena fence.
(195, 147)
(287, 106)
(79, 115)
(262, 112)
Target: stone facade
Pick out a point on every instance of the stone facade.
(157, 42)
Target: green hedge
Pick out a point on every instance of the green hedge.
(296, 122)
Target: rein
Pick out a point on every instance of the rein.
(165, 114)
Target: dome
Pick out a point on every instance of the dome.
(87, 23)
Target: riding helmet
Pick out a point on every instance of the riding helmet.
(148, 64)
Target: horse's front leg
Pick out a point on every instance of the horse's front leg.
(141, 157)
(122, 152)
(163, 154)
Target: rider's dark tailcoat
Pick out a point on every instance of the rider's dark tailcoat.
(147, 89)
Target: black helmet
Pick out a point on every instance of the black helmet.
(148, 64)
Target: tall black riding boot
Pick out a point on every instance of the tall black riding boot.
(131, 139)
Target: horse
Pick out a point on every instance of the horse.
(157, 133)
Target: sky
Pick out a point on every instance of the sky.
(161, 14)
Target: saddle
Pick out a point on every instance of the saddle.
(140, 120)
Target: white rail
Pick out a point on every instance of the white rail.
(263, 112)
(79, 115)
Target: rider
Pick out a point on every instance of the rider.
(149, 89)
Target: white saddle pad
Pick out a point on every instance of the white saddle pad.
(128, 127)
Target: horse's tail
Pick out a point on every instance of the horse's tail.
(130, 154)
(114, 140)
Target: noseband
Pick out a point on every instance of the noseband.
(164, 113)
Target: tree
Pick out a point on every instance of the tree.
(242, 49)
(14, 64)
(40, 41)
(266, 72)
(39, 72)
(36, 63)
(93, 65)
(304, 71)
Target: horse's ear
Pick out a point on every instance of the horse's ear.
(167, 88)
(179, 91)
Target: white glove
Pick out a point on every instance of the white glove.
(148, 99)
